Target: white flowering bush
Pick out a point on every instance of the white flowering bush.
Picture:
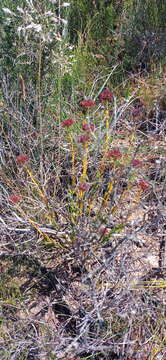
(36, 57)
(36, 43)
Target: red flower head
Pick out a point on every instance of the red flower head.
(88, 127)
(87, 103)
(68, 122)
(137, 163)
(14, 198)
(114, 153)
(106, 94)
(84, 138)
(143, 185)
(83, 187)
(22, 159)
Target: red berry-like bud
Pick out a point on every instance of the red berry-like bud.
(22, 159)
(14, 198)
(143, 185)
(83, 187)
(104, 231)
(137, 163)
(114, 153)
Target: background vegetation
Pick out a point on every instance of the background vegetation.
(83, 180)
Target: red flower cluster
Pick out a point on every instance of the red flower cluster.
(68, 122)
(106, 94)
(137, 163)
(143, 185)
(88, 127)
(14, 198)
(84, 138)
(114, 153)
(87, 103)
(83, 187)
(22, 159)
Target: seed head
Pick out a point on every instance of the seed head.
(136, 112)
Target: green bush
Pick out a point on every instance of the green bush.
(144, 34)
